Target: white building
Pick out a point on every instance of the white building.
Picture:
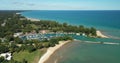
(17, 34)
(7, 56)
(31, 36)
(3, 24)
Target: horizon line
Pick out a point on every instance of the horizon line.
(58, 10)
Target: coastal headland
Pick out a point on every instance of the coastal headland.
(100, 34)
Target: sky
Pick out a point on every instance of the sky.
(59, 4)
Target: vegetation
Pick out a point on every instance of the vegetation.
(30, 57)
(2, 60)
(29, 49)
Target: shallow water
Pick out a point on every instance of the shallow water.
(79, 52)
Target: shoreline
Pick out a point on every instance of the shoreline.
(32, 19)
(100, 34)
(28, 18)
(51, 51)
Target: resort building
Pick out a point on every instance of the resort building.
(40, 36)
(33, 36)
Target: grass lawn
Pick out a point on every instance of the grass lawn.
(30, 57)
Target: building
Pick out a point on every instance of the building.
(3, 24)
(17, 34)
(7, 56)
(39, 36)
(32, 36)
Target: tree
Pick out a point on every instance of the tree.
(9, 38)
(40, 46)
(24, 61)
(46, 44)
(53, 41)
(18, 40)
(2, 59)
(81, 28)
(65, 24)
(23, 47)
(13, 47)
(0, 41)
(67, 38)
(93, 31)
(87, 31)
(3, 49)
(30, 48)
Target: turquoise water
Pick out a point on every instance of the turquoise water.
(76, 52)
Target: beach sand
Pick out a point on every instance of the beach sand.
(32, 19)
(99, 33)
(51, 50)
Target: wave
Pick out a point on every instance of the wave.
(109, 43)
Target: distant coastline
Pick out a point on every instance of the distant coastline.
(98, 32)
(28, 18)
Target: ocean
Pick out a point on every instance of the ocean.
(107, 21)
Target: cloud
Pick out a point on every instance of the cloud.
(31, 4)
(18, 3)
(21, 3)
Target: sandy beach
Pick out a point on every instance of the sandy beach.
(99, 33)
(32, 19)
(51, 50)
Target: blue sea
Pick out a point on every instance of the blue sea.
(107, 21)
